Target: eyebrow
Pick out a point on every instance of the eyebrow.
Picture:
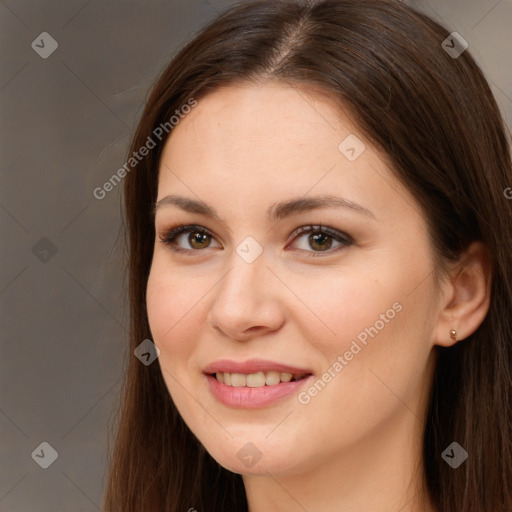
(275, 212)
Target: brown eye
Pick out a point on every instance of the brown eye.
(321, 239)
(198, 238)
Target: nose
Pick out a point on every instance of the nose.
(246, 301)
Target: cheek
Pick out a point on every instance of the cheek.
(382, 336)
(172, 308)
(349, 304)
(172, 305)
(379, 320)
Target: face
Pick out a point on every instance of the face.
(254, 290)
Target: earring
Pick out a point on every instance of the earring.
(453, 335)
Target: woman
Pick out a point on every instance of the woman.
(319, 248)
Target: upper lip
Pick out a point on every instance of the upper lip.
(252, 366)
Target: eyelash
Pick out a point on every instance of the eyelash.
(169, 236)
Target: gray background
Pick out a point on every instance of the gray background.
(66, 124)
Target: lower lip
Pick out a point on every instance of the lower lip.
(249, 398)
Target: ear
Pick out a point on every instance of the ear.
(466, 295)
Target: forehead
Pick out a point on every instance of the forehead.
(251, 114)
(270, 129)
(250, 145)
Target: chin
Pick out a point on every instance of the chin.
(258, 458)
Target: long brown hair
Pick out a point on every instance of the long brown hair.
(434, 115)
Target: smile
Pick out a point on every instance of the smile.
(257, 380)
(254, 383)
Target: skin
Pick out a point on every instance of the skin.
(357, 444)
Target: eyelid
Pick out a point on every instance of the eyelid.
(178, 230)
(168, 237)
(334, 233)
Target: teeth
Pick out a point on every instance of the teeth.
(238, 380)
(256, 380)
(286, 377)
(272, 378)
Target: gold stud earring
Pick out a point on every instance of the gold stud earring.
(453, 335)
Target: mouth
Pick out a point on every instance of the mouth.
(258, 379)
(255, 383)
